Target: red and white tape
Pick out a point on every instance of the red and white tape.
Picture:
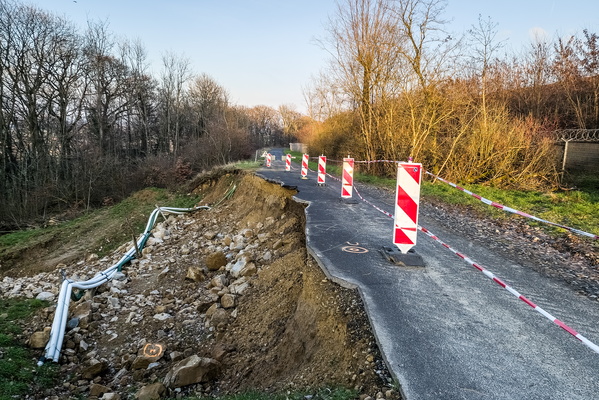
(495, 279)
(377, 161)
(514, 211)
(492, 276)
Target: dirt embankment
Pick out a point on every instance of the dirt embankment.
(232, 286)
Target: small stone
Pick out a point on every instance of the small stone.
(162, 316)
(98, 390)
(140, 362)
(114, 302)
(195, 274)
(164, 272)
(151, 392)
(39, 339)
(220, 316)
(211, 310)
(176, 356)
(219, 281)
(45, 296)
(160, 309)
(119, 276)
(209, 235)
(94, 369)
(72, 323)
(215, 261)
(83, 309)
(227, 301)
(193, 369)
(238, 266)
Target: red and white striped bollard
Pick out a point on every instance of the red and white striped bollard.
(322, 169)
(347, 179)
(305, 166)
(407, 199)
(268, 159)
(288, 163)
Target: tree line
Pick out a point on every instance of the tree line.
(83, 122)
(400, 85)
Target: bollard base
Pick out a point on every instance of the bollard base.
(411, 259)
(348, 200)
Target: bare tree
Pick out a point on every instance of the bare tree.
(483, 36)
(142, 100)
(209, 101)
(363, 43)
(175, 74)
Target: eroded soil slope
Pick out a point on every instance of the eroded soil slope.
(232, 286)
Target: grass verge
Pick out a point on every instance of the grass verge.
(99, 231)
(19, 373)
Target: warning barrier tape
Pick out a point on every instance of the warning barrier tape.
(495, 279)
(378, 161)
(388, 214)
(363, 162)
(514, 211)
(491, 202)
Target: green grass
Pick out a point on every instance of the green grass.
(19, 373)
(317, 394)
(575, 208)
(248, 165)
(99, 231)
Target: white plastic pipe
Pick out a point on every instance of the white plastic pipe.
(54, 346)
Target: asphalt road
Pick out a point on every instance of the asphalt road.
(446, 331)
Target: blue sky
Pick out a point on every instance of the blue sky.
(264, 51)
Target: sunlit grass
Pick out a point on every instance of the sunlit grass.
(574, 208)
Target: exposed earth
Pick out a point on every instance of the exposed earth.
(233, 292)
(230, 290)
